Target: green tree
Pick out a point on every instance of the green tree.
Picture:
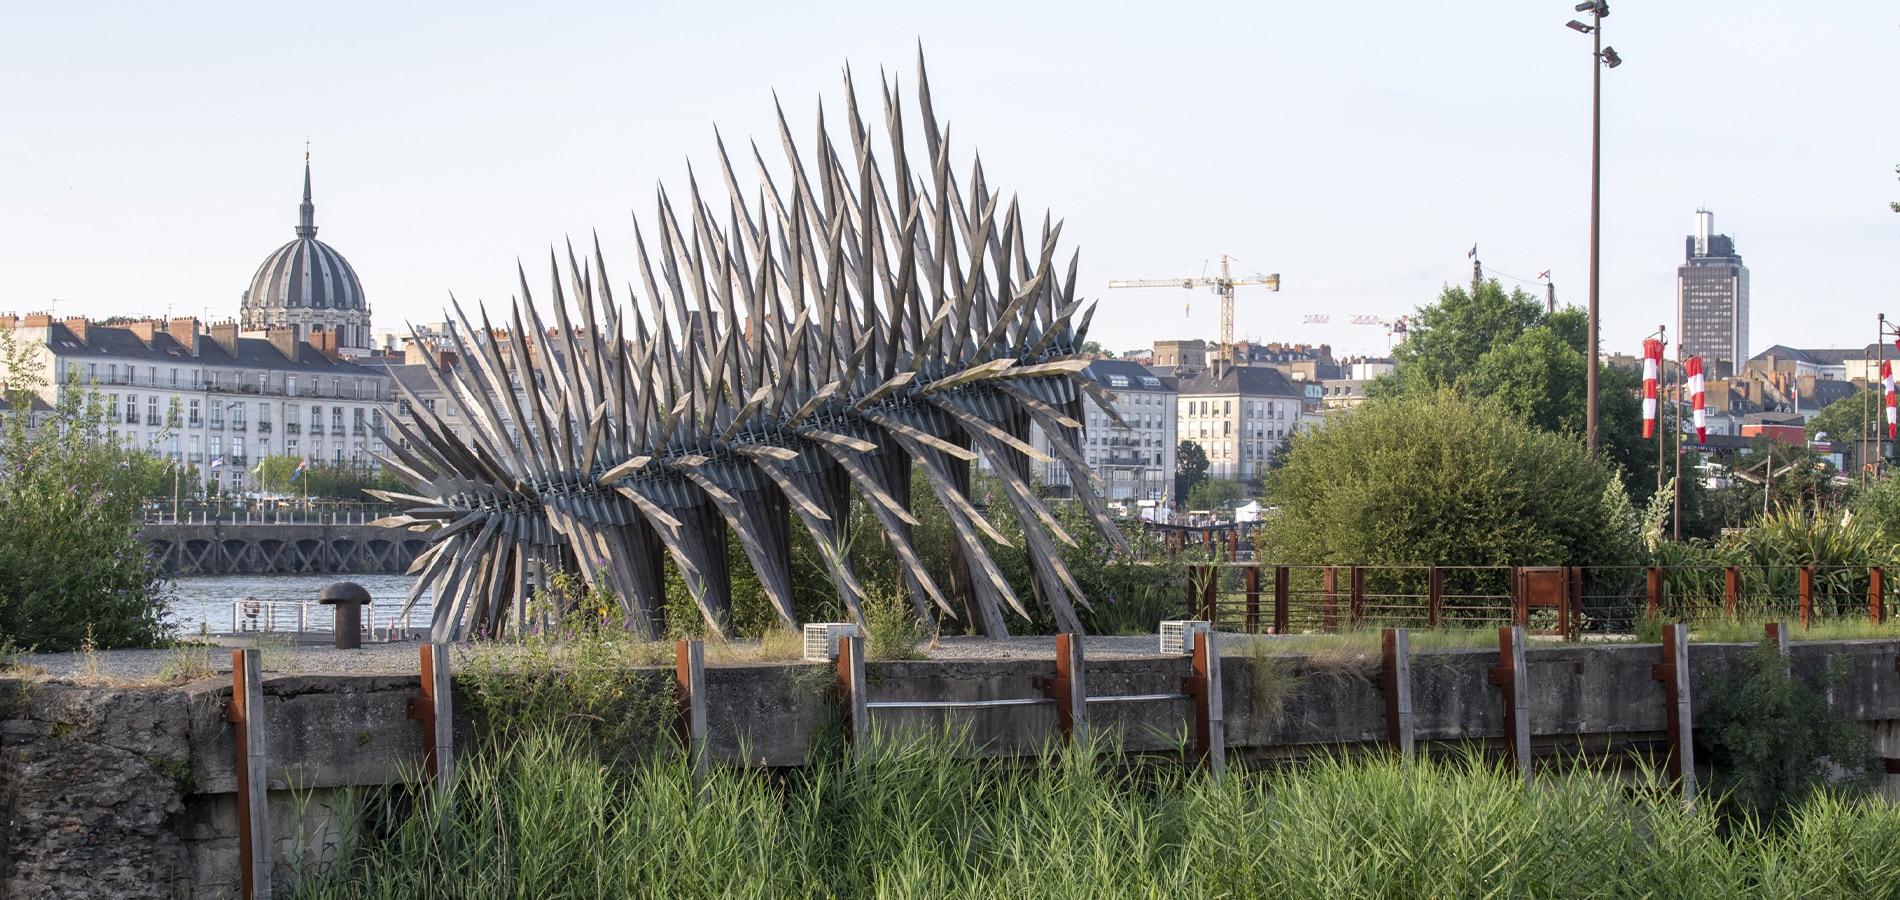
(1503, 348)
(1190, 466)
(72, 566)
(1216, 494)
(1844, 420)
(1438, 479)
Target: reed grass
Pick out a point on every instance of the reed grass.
(547, 817)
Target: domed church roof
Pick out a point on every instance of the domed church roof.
(305, 273)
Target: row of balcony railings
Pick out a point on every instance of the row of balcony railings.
(249, 511)
(1569, 601)
(351, 428)
(374, 391)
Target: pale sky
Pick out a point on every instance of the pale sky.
(150, 154)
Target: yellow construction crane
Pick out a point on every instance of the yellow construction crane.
(1223, 285)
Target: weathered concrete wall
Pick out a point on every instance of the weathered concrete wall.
(129, 792)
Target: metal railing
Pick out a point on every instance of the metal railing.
(165, 511)
(1566, 600)
(295, 617)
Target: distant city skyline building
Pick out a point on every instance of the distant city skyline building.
(1712, 298)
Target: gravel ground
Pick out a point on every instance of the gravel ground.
(146, 666)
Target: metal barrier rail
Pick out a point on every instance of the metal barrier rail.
(342, 512)
(292, 616)
(1571, 600)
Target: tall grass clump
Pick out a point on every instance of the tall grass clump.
(548, 816)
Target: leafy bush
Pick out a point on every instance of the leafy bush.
(71, 560)
(1440, 480)
(1773, 741)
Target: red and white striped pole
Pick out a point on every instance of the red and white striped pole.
(1694, 369)
(1893, 408)
(1652, 364)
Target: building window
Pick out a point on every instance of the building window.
(151, 410)
(131, 409)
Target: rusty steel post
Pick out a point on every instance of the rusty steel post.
(1520, 598)
(851, 688)
(434, 710)
(1434, 596)
(1573, 610)
(1210, 597)
(1509, 676)
(1355, 597)
(1203, 686)
(1876, 595)
(1395, 680)
(1652, 605)
(1329, 617)
(1252, 576)
(689, 722)
(1069, 690)
(1282, 599)
(1193, 606)
(1777, 633)
(1731, 591)
(1805, 599)
(1673, 672)
(246, 713)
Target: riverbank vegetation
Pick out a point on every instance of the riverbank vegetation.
(73, 570)
(545, 816)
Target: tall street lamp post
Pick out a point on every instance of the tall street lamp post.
(1601, 57)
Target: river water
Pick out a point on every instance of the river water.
(207, 600)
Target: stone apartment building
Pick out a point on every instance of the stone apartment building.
(1239, 416)
(1134, 462)
(213, 398)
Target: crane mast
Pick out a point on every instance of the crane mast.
(1223, 285)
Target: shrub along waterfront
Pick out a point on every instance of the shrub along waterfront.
(544, 817)
(73, 570)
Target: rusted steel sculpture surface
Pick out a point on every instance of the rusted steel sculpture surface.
(821, 332)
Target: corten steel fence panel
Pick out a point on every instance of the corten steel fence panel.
(1262, 598)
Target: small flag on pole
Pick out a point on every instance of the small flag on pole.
(302, 464)
(1474, 252)
(217, 461)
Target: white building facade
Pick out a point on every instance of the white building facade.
(1133, 460)
(1239, 417)
(211, 398)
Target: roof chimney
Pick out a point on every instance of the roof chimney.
(185, 332)
(145, 330)
(77, 325)
(326, 340)
(284, 338)
(9, 321)
(225, 335)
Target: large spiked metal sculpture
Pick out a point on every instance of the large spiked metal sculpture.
(821, 333)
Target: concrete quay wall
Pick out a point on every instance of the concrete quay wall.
(130, 791)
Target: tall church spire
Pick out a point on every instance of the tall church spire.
(306, 211)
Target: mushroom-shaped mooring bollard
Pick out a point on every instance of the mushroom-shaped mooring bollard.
(349, 598)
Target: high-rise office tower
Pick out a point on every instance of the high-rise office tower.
(1712, 299)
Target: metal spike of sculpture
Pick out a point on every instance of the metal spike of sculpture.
(843, 328)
